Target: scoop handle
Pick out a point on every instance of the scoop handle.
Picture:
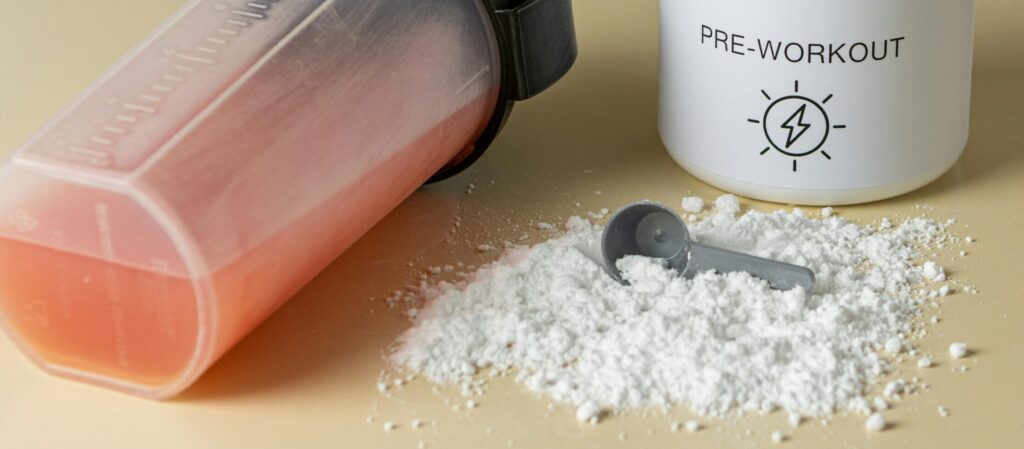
(779, 275)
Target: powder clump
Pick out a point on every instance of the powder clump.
(958, 350)
(552, 317)
(875, 423)
(588, 412)
(693, 204)
(728, 204)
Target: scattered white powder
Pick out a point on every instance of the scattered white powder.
(860, 405)
(552, 317)
(875, 423)
(693, 204)
(893, 346)
(588, 412)
(827, 212)
(958, 350)
(416, 424)
(599, 215)
(794, 420)
(934, 272)
(676, 426)
(389, 426)
(880, 403)
(895, 388)
(924, 362)
(943, 412)
(777, 437)
(692, 426)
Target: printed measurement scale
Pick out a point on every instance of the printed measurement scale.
(142, 103)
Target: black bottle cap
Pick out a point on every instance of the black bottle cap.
(537, 45)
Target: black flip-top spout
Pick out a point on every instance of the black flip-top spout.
(537, 41)
(543, 39)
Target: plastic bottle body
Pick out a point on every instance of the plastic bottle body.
(219, 167)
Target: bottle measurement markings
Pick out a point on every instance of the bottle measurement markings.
(132, 112)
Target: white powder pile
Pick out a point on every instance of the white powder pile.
(717, 344)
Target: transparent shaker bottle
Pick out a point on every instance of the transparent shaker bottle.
(232, 156)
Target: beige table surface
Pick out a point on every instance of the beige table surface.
(305, 379)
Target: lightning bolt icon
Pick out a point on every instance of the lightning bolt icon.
(797, 116)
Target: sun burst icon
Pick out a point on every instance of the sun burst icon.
(796, 126)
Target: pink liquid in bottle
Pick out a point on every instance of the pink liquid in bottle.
(188, 195)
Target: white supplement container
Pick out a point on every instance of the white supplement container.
(816, 102)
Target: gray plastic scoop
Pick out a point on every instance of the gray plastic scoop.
(652, 230)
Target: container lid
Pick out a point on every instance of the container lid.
(537, 45)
